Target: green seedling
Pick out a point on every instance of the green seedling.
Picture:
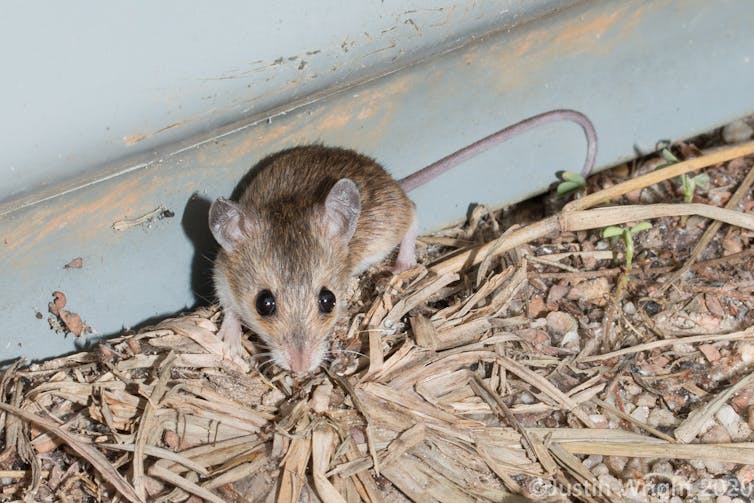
(627, 234)
(571, 182)
(688, 183)
(669, 158)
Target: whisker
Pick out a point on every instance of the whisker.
(266, 362)
(327, 358)
(338, 351)
(208, 300)
(206, 257)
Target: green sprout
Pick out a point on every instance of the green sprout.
(627, 234)
(688, 184)
(669, 158)
(571, 182)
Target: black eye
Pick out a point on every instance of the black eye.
(265, 303)
(326, 301)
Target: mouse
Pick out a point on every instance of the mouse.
(310, 218)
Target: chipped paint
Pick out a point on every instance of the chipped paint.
(133, 139)
(74, 218)
(594, 32)
(136, 138)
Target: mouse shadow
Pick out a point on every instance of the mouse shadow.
(195, 223)
(195, 226)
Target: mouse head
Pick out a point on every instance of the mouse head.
(284, 269)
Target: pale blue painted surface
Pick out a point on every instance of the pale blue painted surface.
(641, 71)
(86, 84)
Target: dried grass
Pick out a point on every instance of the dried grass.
(160, 416)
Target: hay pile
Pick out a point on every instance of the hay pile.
(489, 377)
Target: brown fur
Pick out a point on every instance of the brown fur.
(289, 252)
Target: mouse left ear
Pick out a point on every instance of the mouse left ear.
(228, 223)
(342, 209)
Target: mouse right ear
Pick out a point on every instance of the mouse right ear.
(228, 223)
(342, 209)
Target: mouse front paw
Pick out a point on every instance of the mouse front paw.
(234, 354)
(230, 333)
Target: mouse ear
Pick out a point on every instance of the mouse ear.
(228, 223)
(342, 209)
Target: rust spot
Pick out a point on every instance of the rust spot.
(133, 139)
(336, 120)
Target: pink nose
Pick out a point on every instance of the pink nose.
(299, 361)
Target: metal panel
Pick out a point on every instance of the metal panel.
(91, 83)
(642, 71)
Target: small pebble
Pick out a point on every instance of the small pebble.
(611, 483)
(718, 467)
(716, 435)
(536, 306)
(616, 464)
(646, 400)
(746, 351)
(526, 398)
(633, 389)
(662, 467)
(735, 425)
(698, 464)
(556, 293)
(571, 341)
(595, 291)
(561, 323)
(640, 414)
(635, 467)
(600, 421)
(592, 461)
(600, 470)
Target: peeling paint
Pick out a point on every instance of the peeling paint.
(88, 218)
(157, 213)
(136, 138)
(133, 139)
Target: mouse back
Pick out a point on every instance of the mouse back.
(307, 175)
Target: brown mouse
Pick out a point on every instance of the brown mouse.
(310, 218)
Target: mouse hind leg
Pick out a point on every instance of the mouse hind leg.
(406, 258)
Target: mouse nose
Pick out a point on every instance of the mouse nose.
(299, 362)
